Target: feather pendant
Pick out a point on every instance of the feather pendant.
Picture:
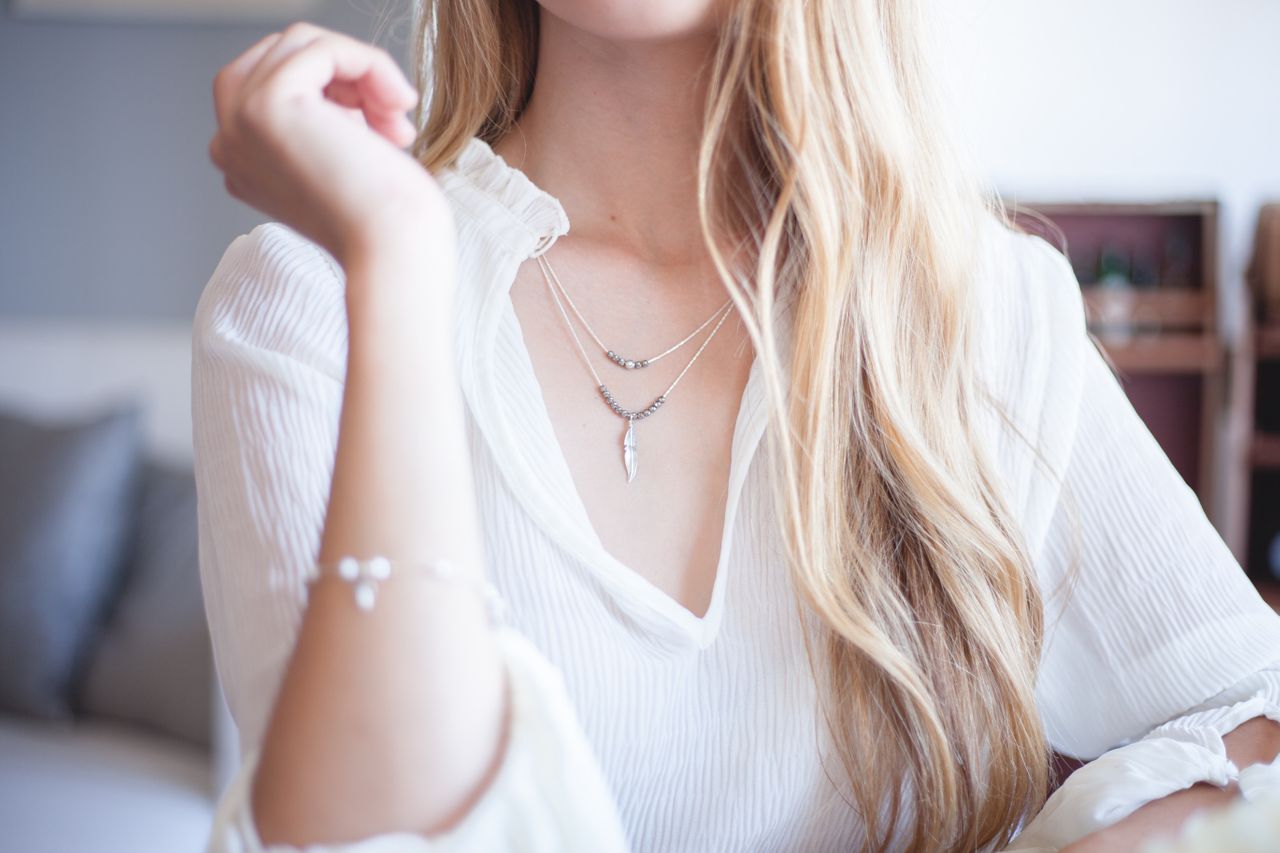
(629, 449)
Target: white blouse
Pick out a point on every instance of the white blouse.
(637, 725)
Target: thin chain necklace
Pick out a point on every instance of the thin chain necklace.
(629, 439)
(629, 363)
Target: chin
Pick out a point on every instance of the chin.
(638, 20)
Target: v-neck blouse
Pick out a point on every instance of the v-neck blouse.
(637, 725)
(508, 406)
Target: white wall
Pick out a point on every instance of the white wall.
(109, 208)
(1123, 99)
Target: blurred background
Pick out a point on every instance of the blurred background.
(1144, 142)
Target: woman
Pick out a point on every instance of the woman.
(839, 574)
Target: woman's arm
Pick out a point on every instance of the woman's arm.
(268, 357)
(1257, 741)
(328, 421)
(399, 710)
(1157, 646)
(392, 719)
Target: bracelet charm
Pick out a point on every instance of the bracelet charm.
(366, 575)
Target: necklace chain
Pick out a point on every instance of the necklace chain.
(615, 357)
(629, 451)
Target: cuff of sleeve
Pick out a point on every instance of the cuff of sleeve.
(1208, 726)
(1173, 756)
(549, 793)
(1249, 825)
(1117, 783)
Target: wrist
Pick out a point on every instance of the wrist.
(400, 297)
(401, 269)
(416, 227)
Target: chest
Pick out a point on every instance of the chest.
(708, 733)
(667, 523)
(702, 717)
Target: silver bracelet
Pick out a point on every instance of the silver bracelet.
(366, 574)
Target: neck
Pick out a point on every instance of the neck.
(612, 130)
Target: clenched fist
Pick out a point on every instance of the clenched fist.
(312, 131)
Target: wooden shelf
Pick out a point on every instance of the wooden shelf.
(1270, 592)
(1148, 308)
(1161, 334)
(1171, 352)
(1265, 451)
(1268, 343)
(1171, 207)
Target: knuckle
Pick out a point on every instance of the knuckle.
(220, 82)
(274, 90)
(256, 108)
(215, 152)
(299, 29)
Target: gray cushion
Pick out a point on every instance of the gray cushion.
(152, 664)
(66, 510)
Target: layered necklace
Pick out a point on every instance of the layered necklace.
(629, 457)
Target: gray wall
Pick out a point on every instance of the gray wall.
(109, 206)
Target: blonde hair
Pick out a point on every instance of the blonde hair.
(820, 141)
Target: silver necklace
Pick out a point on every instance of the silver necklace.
(628, 363)
(631, 415)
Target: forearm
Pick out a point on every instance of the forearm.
(390, 720)
(1257, 740)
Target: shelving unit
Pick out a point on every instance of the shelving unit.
(1259, 369)
(1148, 274)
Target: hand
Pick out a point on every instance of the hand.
(311, 131)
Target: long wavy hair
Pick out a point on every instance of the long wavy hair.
(821, 142)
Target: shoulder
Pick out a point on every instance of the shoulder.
(275, 290)
(1030, 319)
(1028, 294)
(1032, 343)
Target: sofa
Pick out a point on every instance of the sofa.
(113, 733)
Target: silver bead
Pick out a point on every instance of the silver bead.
(366, 592)
(348, 568)
(379, 568)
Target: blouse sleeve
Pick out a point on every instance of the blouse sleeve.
(1156, 642)
(268, 365)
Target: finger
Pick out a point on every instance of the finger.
(392, 124)
(291, 39)
(229, 79)
(245, 62)
(331, 57)
(216, 153)
(396, 129)
(233, 187)
(386, 85)
(348, 99)
(344, 93)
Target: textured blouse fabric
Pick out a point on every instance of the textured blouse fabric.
(637, 725)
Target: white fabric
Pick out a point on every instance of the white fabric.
(544, 746)
(700, 733)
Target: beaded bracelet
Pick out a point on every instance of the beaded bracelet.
(365, 576)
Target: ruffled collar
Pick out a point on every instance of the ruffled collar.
(536, 214)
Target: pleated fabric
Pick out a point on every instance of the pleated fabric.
(638, 725)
